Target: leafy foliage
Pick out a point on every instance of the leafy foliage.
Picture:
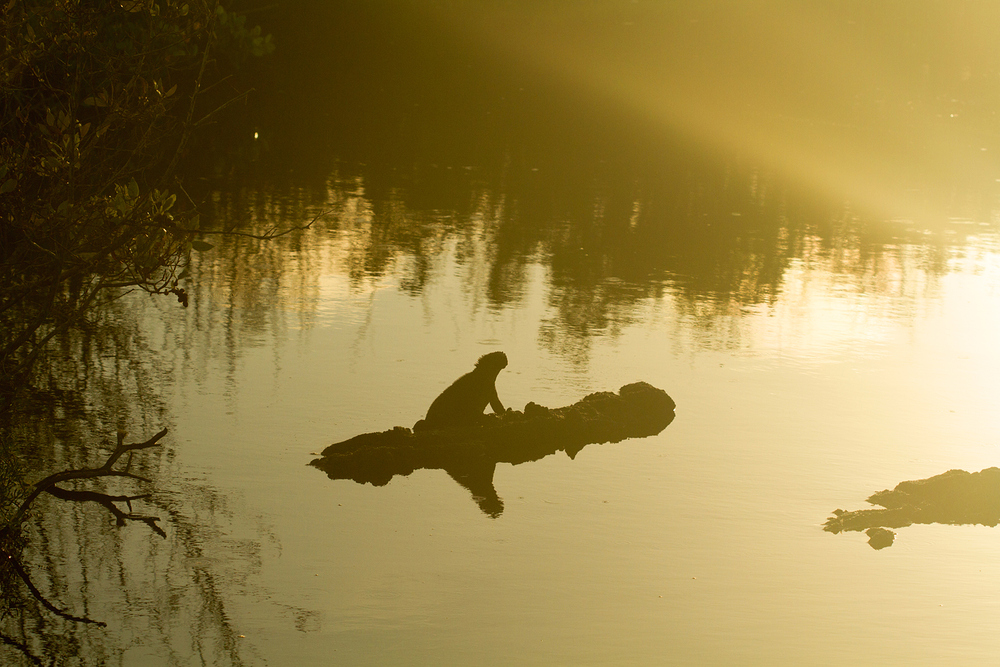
(99, 101)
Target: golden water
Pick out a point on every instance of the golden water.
(785, 217)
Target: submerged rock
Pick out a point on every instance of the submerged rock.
(470, 454)
(953, 497)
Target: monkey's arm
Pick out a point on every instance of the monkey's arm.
(495, 402)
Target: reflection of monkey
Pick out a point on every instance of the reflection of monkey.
(462, 403)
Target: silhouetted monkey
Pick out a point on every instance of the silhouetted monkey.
(462, 403)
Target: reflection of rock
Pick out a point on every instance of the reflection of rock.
(470, 455)
(955, 497)
(880, 538)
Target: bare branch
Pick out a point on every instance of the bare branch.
(87, 473)
(204, 119)
(266, 236)
(108, 502)
(121, 449)
(188, 126)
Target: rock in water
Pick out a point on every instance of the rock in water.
(953, 497)
(470, 454)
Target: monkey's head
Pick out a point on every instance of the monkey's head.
(494, 361)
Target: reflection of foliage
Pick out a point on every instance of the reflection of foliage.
(12, 487)
(534, 171)
(12, 495)
(98, 103)
(610, 253)
(164, 595)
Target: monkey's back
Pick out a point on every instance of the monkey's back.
(464, 401)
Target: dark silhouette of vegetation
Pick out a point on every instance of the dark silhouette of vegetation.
(103, 376)
(101, 105)
(11, 530)
(99, 102)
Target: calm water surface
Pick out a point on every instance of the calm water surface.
(822, 309)
(702, 545)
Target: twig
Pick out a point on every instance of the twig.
(108, 502)
(266, 236)
(204, 119)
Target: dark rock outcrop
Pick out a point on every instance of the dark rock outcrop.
(954, 497)
(470, 454)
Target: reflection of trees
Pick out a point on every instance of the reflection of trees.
(157, 596)
(520, 168)
(514, 171)
(609, 241)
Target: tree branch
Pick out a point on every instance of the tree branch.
(87, 473)
(204, 119)
(108, 502)
(266, 236)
